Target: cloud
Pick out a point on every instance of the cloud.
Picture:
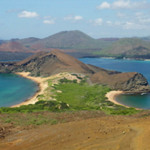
(122, 4)
(73, 18)
(51, 21)
(142, 18)
(27, 14)
(78, 18)
(98, 21)
(104, 5)
(129, 25)
(133, 25)
(109, 23)
(125, 4)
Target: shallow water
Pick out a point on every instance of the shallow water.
(139, 101)
(15, 89)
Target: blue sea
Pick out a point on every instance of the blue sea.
(138, 101)
(15, 89)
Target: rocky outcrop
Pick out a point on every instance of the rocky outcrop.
(130, 82)
(49, 63)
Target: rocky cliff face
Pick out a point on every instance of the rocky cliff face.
(46, 64)
(131, 82)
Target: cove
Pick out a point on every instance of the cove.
(15, 89)
(132, 100)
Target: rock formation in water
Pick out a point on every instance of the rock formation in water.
(49, 63)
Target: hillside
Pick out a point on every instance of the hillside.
(70, 40)
(48, 63)
(127, 47)
(13, 46)
(27, 41)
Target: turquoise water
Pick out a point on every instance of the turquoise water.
(139, 101)
(15, 89)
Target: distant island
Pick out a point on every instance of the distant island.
(77, 44)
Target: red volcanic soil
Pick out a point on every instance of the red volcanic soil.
(81, 131)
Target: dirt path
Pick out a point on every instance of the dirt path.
(105, 133)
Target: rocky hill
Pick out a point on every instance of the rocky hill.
(70, 40)
(127, 47)
(49, 63)
(133, 81)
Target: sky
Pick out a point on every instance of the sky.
(97, 18)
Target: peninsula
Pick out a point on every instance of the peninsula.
(42, 65)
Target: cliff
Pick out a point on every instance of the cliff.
(132, 81)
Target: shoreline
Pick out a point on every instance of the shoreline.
(41, 88)
(111, 96)
(107, 57)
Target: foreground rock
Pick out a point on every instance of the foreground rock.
(49, 63)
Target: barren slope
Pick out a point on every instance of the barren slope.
(101, 133)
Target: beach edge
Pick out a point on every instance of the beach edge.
(41, 88)
(111, 96)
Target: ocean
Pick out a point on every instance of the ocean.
(132, 100)
(15, 89)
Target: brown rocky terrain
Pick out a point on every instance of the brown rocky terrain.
(133, 81)
(81, 131)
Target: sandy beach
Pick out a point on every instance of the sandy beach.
(42, 86)
(42, 83)
(112, 97)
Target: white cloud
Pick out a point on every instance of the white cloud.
(73, 18)
(98, 21)
(129, 25)
(125, 4)
(121, 4)
(78, 18)
(51, 21)
(142, 18)
(109, 22)
(104, 5)
(27, 14)
(133, 25)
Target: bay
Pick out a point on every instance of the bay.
(138, 101)
(15, 89)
